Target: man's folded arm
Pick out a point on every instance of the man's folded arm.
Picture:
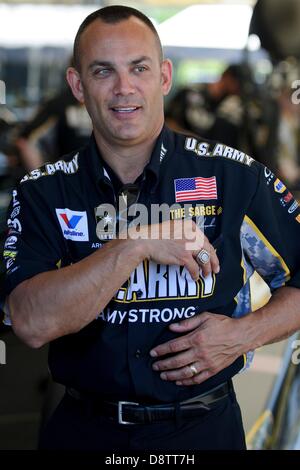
(60, 302)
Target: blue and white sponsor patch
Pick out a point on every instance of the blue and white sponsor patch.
(293, 207)
(10, 242)
(73, 224)
(279, 186)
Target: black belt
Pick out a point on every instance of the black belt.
(126, 412)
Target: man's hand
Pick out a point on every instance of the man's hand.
(212, 343)
(177, 242)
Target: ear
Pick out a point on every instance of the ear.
(166, 74)
(74, 81)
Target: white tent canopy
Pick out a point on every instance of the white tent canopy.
(198, 26)
(208, 27)
(41, 25)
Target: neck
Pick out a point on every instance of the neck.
(128, 162)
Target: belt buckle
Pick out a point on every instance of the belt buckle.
(120, 411)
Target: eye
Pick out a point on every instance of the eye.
(103, 72)
(140, 68)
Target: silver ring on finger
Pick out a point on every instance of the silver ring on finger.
(193, 369)
(203, 256)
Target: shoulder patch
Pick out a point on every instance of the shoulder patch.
(51, 168)
(202, 149)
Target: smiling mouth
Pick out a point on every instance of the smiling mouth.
(125, 109)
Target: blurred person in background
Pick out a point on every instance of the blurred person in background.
(231, 110)
(8, 153)
(289, 139)
(285, 85)
(60, 126)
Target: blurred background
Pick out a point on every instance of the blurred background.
(237, 80)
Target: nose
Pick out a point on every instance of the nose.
(123, 84)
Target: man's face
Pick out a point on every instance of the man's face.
(122, 81)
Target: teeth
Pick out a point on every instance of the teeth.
(124, 110)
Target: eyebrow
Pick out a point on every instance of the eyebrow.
(144, 58)
(104, 63)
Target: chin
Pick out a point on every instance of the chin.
(132, 135)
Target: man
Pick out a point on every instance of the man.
(145, 343)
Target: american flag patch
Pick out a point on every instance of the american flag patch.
(193, 189)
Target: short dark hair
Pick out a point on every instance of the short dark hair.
(241, 72)
(111, 15)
